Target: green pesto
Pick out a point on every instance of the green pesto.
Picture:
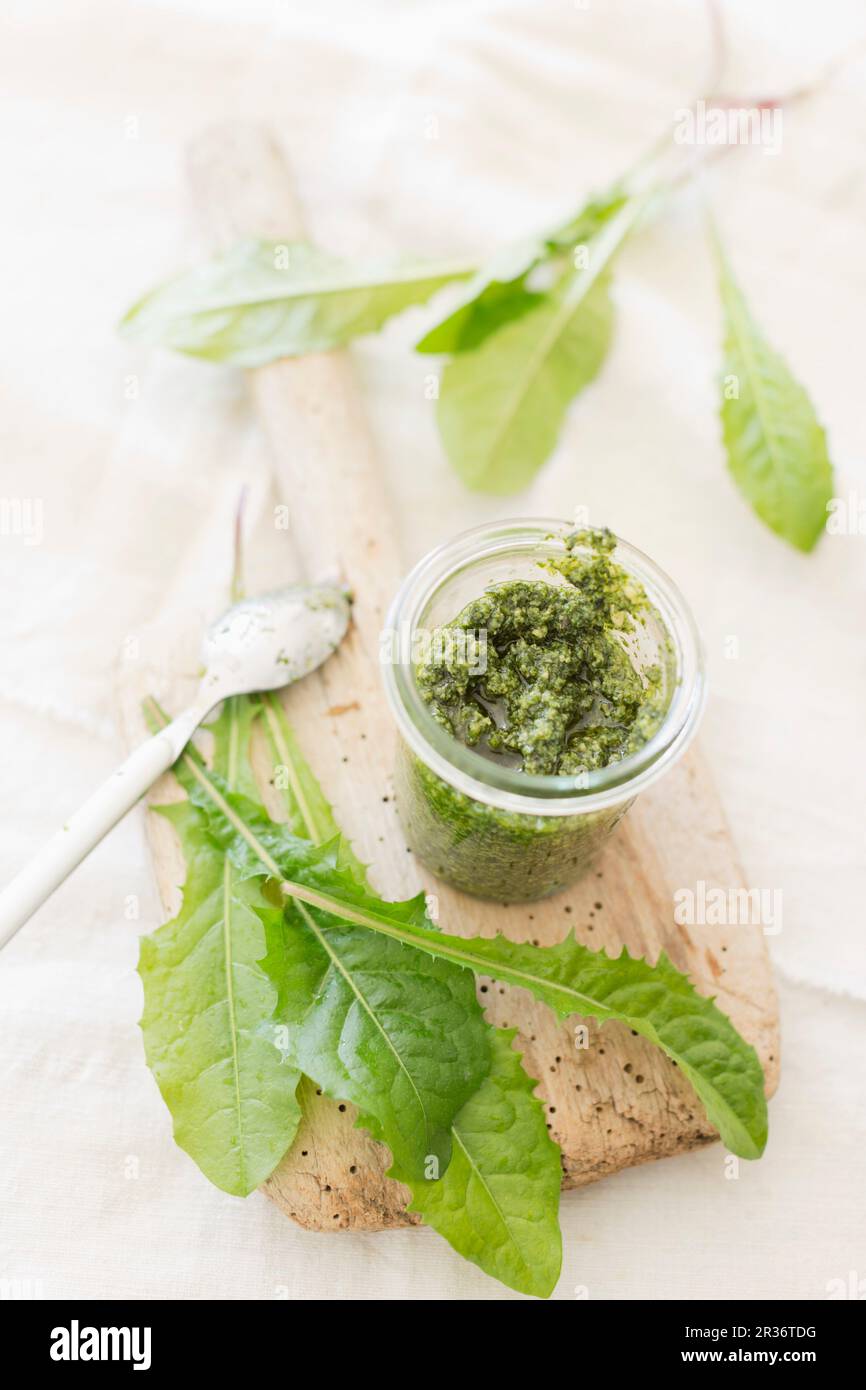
(554, 693)
(558, 693)
(492, 853)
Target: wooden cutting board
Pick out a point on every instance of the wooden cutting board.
(618, 1101)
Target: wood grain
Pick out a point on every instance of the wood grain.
(613, 1103)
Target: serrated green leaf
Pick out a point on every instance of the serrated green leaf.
(497, 1201)
(776, 449)
(262, 300)
(500, 1129)
(657, 1001)
(378, 1027)
(497, 1204)
(370, 1022)
(328, 899)
(208, 1003)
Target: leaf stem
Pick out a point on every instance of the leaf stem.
(282, 754)
(237, 587)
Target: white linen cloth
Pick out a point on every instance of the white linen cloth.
(438, 129)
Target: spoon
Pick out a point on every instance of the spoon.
(258, 644)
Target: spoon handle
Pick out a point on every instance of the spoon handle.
(84, 830)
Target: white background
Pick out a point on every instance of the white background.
(531, 106)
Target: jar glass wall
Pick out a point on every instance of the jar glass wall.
(489, 828)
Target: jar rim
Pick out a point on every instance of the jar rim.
(508, 788)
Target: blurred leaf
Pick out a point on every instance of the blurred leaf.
(496, 295)
(499, 293)
(777, 450)
(262, 300)
(501, 407)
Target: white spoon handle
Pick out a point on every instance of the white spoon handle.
(83, 831)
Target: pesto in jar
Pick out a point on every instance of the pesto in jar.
(538, 674)
(541, 675)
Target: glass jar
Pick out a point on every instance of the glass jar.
(488, 828)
